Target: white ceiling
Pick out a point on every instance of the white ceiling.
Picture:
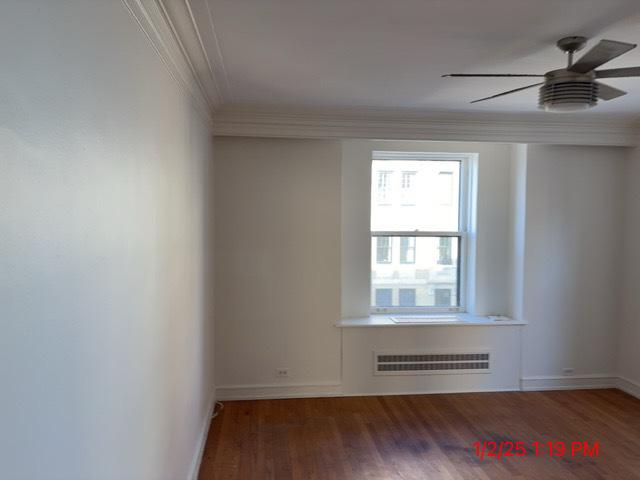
(391, 54)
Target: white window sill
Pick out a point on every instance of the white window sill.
(436, 320)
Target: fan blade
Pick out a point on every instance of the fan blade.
(607, 92)
(491, 75)
(507, 93)
(604, 51)
(619, 72)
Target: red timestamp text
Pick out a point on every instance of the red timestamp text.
(489, 449)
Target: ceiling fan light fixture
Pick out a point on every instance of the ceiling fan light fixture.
(568, 96)
(575, 87)
(566, 91)
(566, 107)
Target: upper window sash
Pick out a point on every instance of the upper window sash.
(463, 158)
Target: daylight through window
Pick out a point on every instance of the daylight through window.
(417, 231)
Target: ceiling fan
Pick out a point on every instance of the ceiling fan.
(575, 87)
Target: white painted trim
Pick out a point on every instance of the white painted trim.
(336, 389)
(410, 125)
(202, 19)
(571, 382)
(384, 155)
(428, 392)
(159, 25)
(629, 386)
(386, 320)
(275, 391)
(202, 440)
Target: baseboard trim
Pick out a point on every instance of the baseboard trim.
(572, 382)
(429, 392)
(275, 391)
(329, 389)
(335, 389)
(202, 440)
(629, 386)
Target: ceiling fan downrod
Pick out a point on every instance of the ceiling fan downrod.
(571, 45)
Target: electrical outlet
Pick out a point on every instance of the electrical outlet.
(567, 371)
(282, 372)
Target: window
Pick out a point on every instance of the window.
(445, 188)
(383, 297)
(442, 297)
(407, 297)
(435, 226)
(445, 251)
(383, 249)
(408, 250)
(408, 188)
(384, 187)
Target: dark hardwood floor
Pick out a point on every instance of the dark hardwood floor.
(425, 437)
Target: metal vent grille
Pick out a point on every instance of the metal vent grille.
(430, 363)
(554, 93)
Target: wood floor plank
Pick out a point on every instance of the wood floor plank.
(413, 437)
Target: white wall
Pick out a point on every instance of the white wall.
(572, 269)
(629, 335)
(517, 228)
(280, 228)
(549, 250)
(278, 262)
(105, 285)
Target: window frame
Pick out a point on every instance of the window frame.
(463, 235)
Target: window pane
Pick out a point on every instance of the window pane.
(407, 249)
(383, 297)
(411, 195)
(383, 190)
(407, 297)
(426, 282)
(443, 297)
(445, 251)
(408, 188)
(383, 250)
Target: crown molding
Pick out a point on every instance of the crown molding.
(173, 33)
(436, 126)
(209, 61)
(178, 30)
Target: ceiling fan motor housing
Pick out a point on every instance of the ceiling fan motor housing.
(568, 91)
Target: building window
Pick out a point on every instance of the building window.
(408, 188)
(384, 187)
(444, 255)
(438, 232)
(383, 250)
(408, 250)
(445, 188)
(384, 297)
(442, 297)
(407, 297)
